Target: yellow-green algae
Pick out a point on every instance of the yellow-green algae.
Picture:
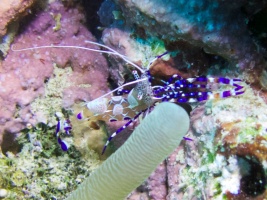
(46, 106)
(57, 18)
(150, 48)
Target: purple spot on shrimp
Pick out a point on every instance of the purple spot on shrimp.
(237, 79)
(204, 96)
(67, 130)
(202, 79)
(113, 120)
(238, 93)
(122, 91)
(224, 80)
(79, 116)
(226, 94)
(238, 87)
(64, 146)
(193, 94)
(182, 100)
(58, 127)
(201, 99)
(120, 129)
(127, 118)
(191, 85)
(186, 138)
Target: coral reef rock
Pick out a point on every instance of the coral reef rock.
(10, 10)
(36, 83)
(218, 27)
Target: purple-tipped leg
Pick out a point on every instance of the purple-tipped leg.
(121, 129)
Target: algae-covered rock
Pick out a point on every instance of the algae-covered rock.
(18, 178)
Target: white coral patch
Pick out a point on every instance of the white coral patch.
(230, 180)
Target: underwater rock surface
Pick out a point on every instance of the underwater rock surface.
(219, 27)
(10, 10)
(24, 74)
(227, 157)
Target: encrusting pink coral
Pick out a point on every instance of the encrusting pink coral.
(24, 74)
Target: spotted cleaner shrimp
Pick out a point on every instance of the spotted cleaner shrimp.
(144, 93)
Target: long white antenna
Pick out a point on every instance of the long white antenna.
(111, 51)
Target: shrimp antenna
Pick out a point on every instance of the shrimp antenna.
(110, 52)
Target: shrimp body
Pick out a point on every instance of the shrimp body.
(145, 91)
